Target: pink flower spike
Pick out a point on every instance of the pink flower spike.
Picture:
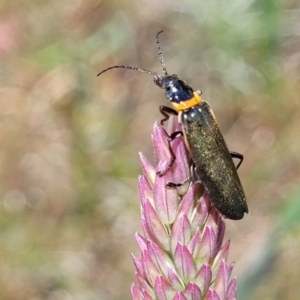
(184, 262)
(192, 291)
(181, 249)
(148, 169)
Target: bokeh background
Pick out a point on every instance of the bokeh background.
(69, 141)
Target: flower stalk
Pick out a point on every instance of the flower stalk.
(182, 250)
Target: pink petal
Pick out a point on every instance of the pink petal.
(203, 278)
(221, 281)
(220, 235)
(142, 242)
(231, 293)
(161, 148)
(146, 296)
(223, 253)
(207, 245)
(163, 289)
(230, 268)
(138, 265)
(192, 291)
(143, 284)
(145, 190)
(179, 296)
(181, 169)
(174, 279)
(187, 203)
(212, 295)
(166, 200)
(214, 218)
(145, 227)
(201, 211)
(151, 271)
(136, 292)
(194, 244)
(216, 222)
(159, 257)
(181, 231)
(184, 262)
(153, 226)
(148, 169)
(140, 294)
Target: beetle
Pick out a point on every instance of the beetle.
(211, 161)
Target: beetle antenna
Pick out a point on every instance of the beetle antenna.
(160, 55)
(128, 67)
(161, 59)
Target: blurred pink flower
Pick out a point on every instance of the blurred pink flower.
(10, 34)
(182, 256)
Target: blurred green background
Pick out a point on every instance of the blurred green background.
(69, 140)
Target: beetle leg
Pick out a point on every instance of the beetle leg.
(170, 184)
(171, 138)
(193, 176)
(238, 156)
(166, 112)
